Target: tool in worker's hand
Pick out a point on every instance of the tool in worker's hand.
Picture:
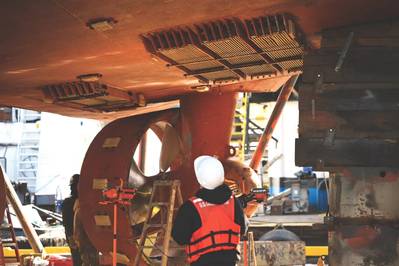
(117, 196)
(257, 194)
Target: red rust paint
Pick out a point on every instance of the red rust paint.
(112, 164)
(363, 237)
(39, 49)
(206, 124)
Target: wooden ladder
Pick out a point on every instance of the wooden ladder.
(167, 209)
(12, 243)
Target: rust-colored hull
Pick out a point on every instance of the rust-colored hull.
(49, 43)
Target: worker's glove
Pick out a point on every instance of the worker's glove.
(245, 198)
(72, 243)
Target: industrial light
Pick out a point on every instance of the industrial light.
(93, 77)
(101, 24)
(201, 88)
(141, 101)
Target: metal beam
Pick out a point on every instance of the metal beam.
(271, 124)
(142, 152)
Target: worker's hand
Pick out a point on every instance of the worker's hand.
(244, 199)
(72, 243)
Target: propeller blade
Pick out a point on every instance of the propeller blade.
(170, 147)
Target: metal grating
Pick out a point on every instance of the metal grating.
(276, 36)
(90, 96)
(221, 76)
(234, 50)
(231, 49)
(192, 57)
(73, 90)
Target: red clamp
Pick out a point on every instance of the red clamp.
(118, 195)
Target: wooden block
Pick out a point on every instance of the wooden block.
(277, 207)
(351, 113)
(349, 124)
(370, 34)
(346, 97)
(360, 65)
(321, 154)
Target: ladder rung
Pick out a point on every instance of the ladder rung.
(24, 178)
(28, 154)
(174, 188)
(12, 241)
(148, 246)
(160, 204)
(27, 170)
(8, 244)
(30, 138)
(6, 227)
(31, 131)
(155, 225)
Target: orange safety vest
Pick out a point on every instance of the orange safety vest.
(218, 230)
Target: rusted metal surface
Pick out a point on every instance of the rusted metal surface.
(364, 245)
(273, 119)
(364, 205)
(276, 253)
(348, 126)
(368, 193)
(206, 122)
(54, 43)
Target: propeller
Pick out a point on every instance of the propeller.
(170, 149)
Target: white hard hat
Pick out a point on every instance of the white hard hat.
(209, 171)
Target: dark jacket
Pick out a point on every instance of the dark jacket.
(187, 221)
(67, 215)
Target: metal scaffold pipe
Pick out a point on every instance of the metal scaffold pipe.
(271, 124)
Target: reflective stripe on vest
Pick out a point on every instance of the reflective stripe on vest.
(218, 230)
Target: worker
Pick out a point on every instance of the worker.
(88, 253)
(68, 217)
(211, 222)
